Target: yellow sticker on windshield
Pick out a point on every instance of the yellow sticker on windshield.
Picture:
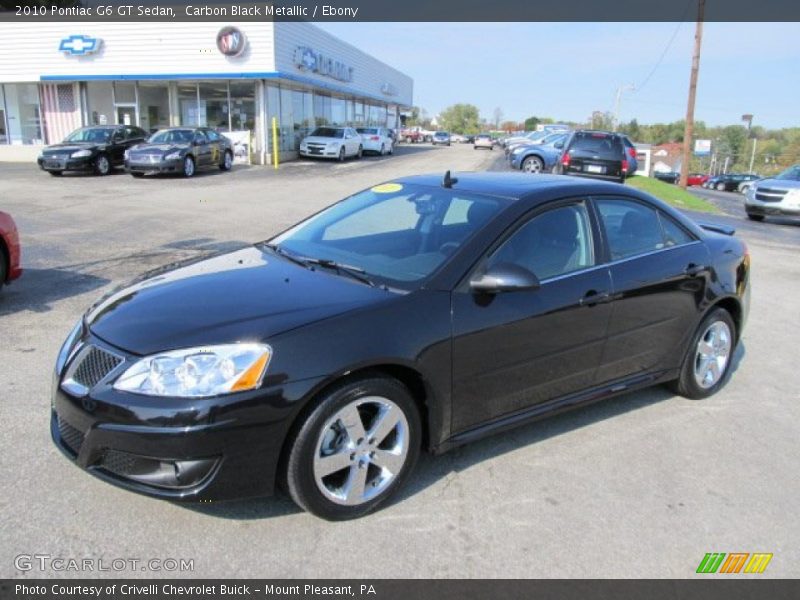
(387, 188)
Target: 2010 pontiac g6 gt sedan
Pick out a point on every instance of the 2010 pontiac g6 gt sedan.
(421, 313)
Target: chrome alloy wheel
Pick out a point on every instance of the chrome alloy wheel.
(712, 355)
(188, 166)
(361, 450)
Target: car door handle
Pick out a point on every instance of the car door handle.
(593, 297)
(693, 270)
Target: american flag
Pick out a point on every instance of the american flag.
(60, 111)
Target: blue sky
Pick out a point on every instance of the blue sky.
(567, 70)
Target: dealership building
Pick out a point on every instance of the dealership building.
(233, 77)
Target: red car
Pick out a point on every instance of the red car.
(10, 250)
(696, 179)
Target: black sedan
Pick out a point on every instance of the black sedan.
(181, 151)
(667, 176)
(422, 313)
(91, 149)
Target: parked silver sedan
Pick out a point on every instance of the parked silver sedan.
(779, 195)
(484, 140)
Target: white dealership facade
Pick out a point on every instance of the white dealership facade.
(234, 77)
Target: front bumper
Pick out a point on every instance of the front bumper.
(85, 163)
(754, 207)
(209, 449)
(320, 153)
(144, 167)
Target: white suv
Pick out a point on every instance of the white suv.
(779, 195)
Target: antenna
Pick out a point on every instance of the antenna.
(448, 182)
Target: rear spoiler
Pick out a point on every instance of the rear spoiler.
(724, 229)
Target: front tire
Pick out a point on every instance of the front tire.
(227, 162)
(102, 166)
(188, 167)
(533, 164)
(755, 217)
(56, 173)
(706, 365)
(720, 187)
(360, 152)
(341, 154)
(3, 267)
(355, 449)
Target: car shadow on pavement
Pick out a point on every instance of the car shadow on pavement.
(431, 469)
(38, 289)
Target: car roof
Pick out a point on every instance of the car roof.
(516, 186)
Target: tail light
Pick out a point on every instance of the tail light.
(565, 160)
(624, 165)
(632, 152)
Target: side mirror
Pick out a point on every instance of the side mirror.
(504, 277)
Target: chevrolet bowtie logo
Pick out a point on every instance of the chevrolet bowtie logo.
(80, 45)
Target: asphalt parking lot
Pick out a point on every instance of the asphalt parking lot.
(640, 486)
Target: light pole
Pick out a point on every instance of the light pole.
(749, 120)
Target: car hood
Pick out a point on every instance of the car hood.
(318, 139)
(778, 184)
(247, 295)
(153, 148)
(70, 147)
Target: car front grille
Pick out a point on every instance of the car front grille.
(94, 366)
(71, 437)
(770, 194)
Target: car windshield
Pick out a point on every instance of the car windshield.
(172, 136)
(90, 134)
(536, 135)
(440, 134)
(792, 173)
(397, 234)
(328, 132)
(367, 130)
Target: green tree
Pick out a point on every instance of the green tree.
(461, 118)
(531, 123)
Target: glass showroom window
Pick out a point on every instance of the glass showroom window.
(22, 113)
(338, 112)
(187, 101)
(286, 122)
(358, 119)
(322, 110)
(153, 105)
(243, 105)
(3, 121)
(213, 105)
(303, 113)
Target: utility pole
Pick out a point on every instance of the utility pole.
(753, 156)
(688, 131)
(617, 98)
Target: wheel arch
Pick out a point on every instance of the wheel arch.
(734, 308)
(411, 378)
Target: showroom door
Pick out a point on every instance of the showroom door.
(126, 114)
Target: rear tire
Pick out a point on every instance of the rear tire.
(342, 463)
(754, 217)
(707, 363)
(137, 175)
(56, 173)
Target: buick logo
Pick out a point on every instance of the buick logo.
(231, 41)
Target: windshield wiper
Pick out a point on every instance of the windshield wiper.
(356, 273)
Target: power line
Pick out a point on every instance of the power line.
(666, 48)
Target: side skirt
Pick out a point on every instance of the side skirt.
(554, 407)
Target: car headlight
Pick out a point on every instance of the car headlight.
(68, 346)
(173, 156)
(127, 154)
(333, 144)
(198, 372)
(81, 154)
